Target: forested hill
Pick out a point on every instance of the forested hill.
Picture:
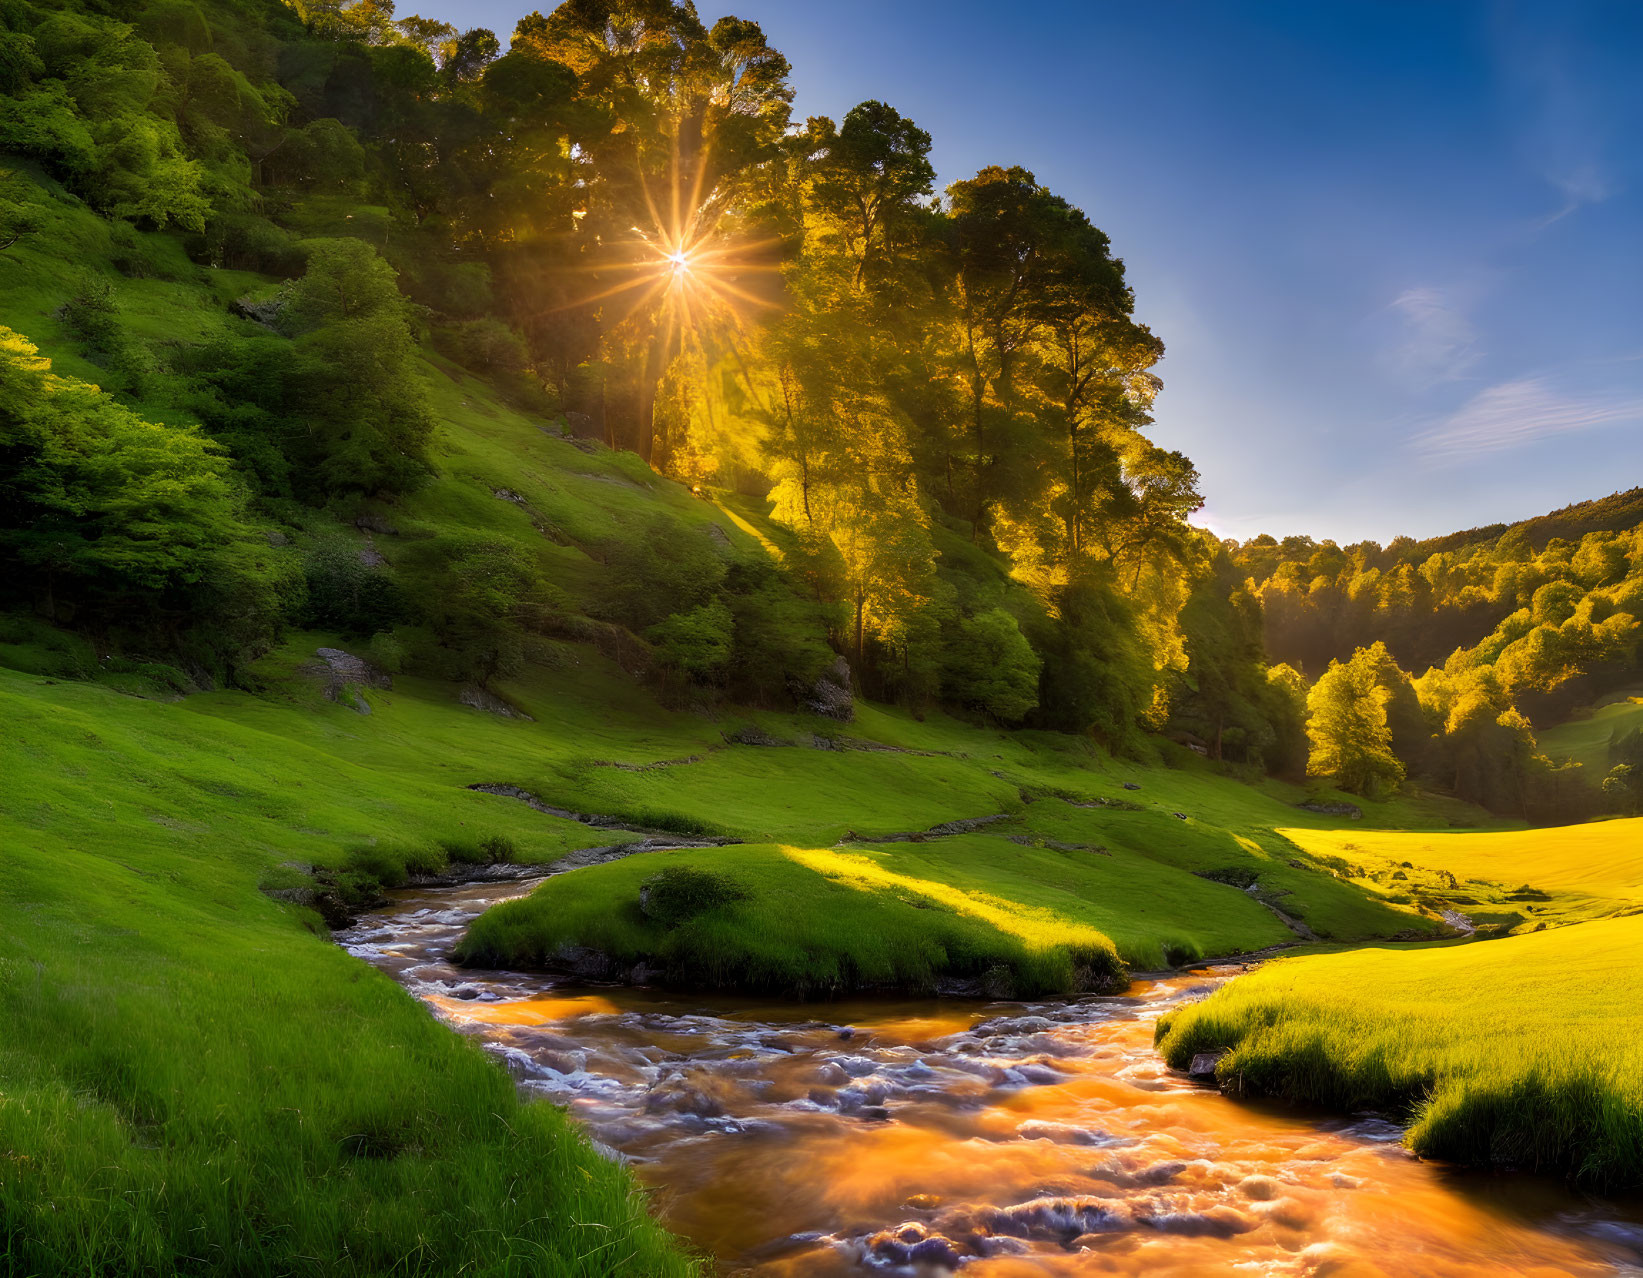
(315, 317)
(1565, 573)
(1472, 642)
(1615, 513)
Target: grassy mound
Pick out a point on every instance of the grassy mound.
(797, 921)
(193, 1079)
(1525, 1052)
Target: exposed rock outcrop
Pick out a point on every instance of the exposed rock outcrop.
(965, 825)
(265, 311)
(1203, 1066)
(831, 695)
(1351, 811)
(345, 674)
(478, 698)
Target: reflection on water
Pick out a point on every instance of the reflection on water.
(1003, 1139)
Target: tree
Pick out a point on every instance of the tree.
(865, 177)
(1002, 224)
(681, 124)
(428, 34)
(1285, 699)
(1346, 724)
(695, 644)
(369, 422)
(125, 524)
(991, 666)
(1222, 695)
(483, 597)
(1411, 733)
(1622, 787)
(1098, 676)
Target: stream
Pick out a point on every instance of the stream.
(1000, 1139)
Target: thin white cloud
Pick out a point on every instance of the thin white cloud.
(1516, 413)
(1436, 341)
(1566, 131)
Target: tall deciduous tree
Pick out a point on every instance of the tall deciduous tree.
(684, 124)
(370, 421)
(1347, 725)
(866, 176)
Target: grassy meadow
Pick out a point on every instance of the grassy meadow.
(1525, 1052)
(1512, 880)
(193, 1079)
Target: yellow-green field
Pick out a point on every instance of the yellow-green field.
(1557, 875)
(1524, 1052)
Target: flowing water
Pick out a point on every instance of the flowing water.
(1000, 1139)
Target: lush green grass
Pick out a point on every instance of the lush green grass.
(820, 921)
(1524, 1052)
(192, 1078)
(1570, 872)
(808, 923)
(1153, 897)
(1585, 738)
(1235, 847)
(567, 503)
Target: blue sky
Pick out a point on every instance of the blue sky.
(1395, 251)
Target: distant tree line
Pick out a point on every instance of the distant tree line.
(1510, 629)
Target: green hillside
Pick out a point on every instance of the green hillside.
(1588, 738)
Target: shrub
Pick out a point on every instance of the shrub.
(487, 346)
(498, 848)
(388, 651)
(246, 242)
(93, 316)
(392, 864)
(991, 666)
(659, 569)
(695, 644)
(356, 889)
(483, 597)
(681, 892)
(345, 594)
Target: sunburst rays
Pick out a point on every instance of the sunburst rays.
(682, 261)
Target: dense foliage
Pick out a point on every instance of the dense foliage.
(1511, 626)
(1538, 600)
(944, 398)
